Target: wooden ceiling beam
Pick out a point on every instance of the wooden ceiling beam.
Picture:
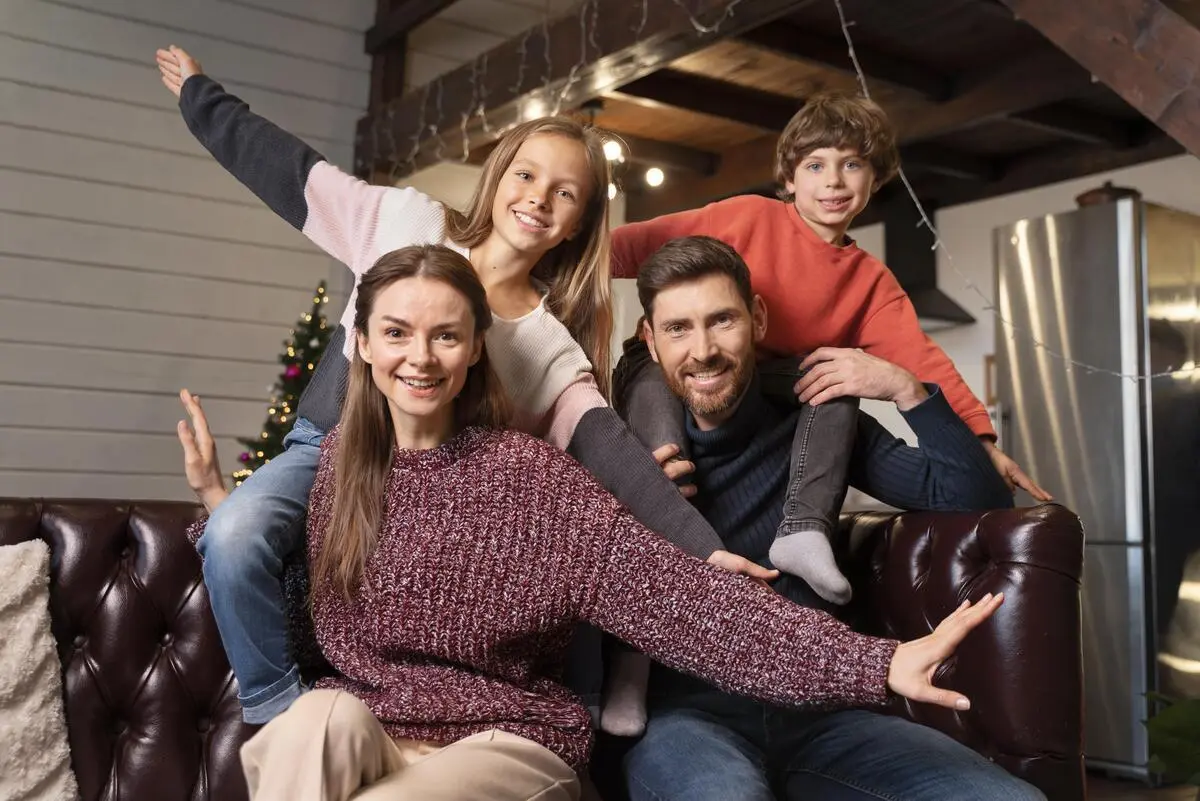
(401, 18)
(1017, 86)
(791, 41)
(771, 112)
(716, 98)
(949, 163)
(653, 153)
(1057, 163)
(547, 69)
(1142, 49)
(1078, 125)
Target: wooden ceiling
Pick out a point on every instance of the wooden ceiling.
(983, 103)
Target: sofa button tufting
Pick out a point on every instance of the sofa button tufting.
(79, 641)
(126, 552)
(167, 639)
(204, 725)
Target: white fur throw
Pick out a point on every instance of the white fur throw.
(35, 760)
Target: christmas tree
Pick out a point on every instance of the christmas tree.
(299, 359)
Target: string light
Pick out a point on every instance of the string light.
(550, 103)
(989, 303)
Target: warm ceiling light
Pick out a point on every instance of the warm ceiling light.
(654, 176)
(612, 150)
(612, 191)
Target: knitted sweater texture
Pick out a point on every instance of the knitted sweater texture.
(493, 546)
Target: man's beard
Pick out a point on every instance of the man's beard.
(707, 404)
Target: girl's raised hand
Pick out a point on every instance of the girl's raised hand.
(175, 66)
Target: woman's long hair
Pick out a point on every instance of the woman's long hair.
(576, 270)
(367, 437)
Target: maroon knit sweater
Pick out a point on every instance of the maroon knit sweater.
(493, 546)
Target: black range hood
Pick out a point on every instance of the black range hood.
(908, 248)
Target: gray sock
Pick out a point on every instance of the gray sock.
(807, 553)
(624, 709)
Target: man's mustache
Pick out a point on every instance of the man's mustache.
(711, 366)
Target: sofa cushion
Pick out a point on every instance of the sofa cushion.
(35, 759)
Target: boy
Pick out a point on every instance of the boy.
(826, 297)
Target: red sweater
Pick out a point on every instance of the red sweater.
(817, 294)
(493, 546)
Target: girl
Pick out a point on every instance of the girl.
(536, 234)
(427, 520)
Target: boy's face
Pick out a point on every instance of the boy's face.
(832, 187)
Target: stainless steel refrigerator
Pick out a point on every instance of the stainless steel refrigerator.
(1113, 286)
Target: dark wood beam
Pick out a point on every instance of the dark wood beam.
(388, 64)
(771, 112)
(402, 18)
(669, 156)
(1078, 125)
(746, 165)
(547, 69)
(1054, 164)
(686, 90)
(1143, 50)
(949, 163)
(1016, 86)
(792, 41)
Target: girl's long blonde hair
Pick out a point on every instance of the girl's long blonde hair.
(576, 270)
(367, 436)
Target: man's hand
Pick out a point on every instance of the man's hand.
(849, 372)
(675, 468)
(1013, 475)
(175, 66)
(910, 673)
(743, 567)
(200, 455)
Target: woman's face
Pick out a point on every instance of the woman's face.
(541, 197)
(420, 342)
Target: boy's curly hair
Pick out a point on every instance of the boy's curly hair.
(843, 122)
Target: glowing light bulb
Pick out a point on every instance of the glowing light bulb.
(612, 150)
(612, 191)
(654, 176)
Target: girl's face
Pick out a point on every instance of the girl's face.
(541, 197)
(420, 342)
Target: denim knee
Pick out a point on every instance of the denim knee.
(236, 544)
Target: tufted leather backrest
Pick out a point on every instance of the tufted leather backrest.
(151, 704)
(1022, 669)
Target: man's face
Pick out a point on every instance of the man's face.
(703, 337)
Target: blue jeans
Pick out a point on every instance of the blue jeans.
(709, 746)
(244, 546)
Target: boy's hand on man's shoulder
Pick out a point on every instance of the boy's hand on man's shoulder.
(851, 372)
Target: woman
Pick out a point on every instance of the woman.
(536, 234)
(450, 559)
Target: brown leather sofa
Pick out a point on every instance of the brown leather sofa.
(152, 707)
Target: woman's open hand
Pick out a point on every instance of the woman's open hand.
(200, 454)
(914, 663)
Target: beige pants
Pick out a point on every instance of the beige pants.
(329, 747)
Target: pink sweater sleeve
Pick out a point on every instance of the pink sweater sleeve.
(727, 630)
(343, 213)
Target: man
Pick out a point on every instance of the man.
(702, 323)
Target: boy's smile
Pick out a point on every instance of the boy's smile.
(831, 188)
